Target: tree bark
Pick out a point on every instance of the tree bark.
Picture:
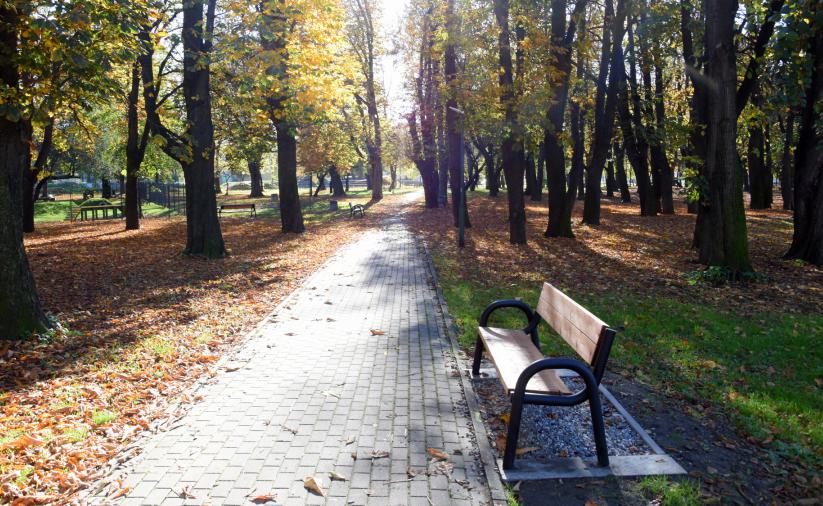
(620, 169)
(291, 214)
(559, 224)
(511, 148)
(658, 148)
(336, 182)
(605, 106)
(135, 151)
(20, 309)
(196, 153)
(256, 176)
(725, 242)
(454, 136)
(426, 164)
(537, 194)
(807, 241)
(786, 166)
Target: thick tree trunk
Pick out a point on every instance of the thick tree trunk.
(423, 159)
(20, 310)
(393, 176)
(807, 242)
(511, 149)
(725, 242)
(203, 236)
(256, 176)
(786, 166)
(337, 188)
(134, 153)
(291, 214)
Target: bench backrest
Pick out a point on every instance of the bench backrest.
(587, 334)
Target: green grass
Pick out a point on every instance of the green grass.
(764, 371)
(23, 477)
(47, 212)
(77, 434)
(102, 417)
(670, 493)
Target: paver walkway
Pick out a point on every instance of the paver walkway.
(315, 387)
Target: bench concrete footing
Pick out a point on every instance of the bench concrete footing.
(575, 467)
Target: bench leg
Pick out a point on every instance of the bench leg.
(478, 356)
(514, 430)
(599, 428)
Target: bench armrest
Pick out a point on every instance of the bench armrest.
(532, 317)
(579, 367)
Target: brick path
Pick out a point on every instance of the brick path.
(314, 387)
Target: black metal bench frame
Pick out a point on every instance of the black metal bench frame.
(591, 375)
(355, 209)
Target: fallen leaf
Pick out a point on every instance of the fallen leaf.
(22, 442)
(376, 332)
(186, 492)
(501, 443)
(337, 476)
(264, 498)
(437, 454)
(379, 454)
(120, 493)
(312, 486)
(522, 451)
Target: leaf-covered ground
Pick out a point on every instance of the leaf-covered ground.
(740, 356)
(142, 323)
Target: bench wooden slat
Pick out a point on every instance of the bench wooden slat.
(575, 324)
(512, 351)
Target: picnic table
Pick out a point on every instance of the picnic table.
(84, 213)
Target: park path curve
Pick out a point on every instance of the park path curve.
(316, 386)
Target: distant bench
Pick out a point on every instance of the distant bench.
(83, 213)
(356, 209)
(237, 208)
(530, 378)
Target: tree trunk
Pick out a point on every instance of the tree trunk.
(605, 105)
(20, 310)
(454, 134)
(620, 169)
(537, 194)
(760, 179)
(511, 149)
(559, 224)
(105, 183)
(256, 176)
(531, 174)
(807, 242)
(611, 183)
(786, 167)
(291, 214)
(660, 162)
(135, 150)
(336, 182)
(725, 242)
(321, 183)
(423, 159)
(203, 236)
(393, 175)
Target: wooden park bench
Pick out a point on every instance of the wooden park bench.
(530, 378)
(251, 208)
(356, 209)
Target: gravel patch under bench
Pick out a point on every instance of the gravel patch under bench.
(555, 431)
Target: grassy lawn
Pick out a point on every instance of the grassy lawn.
(766, 368)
